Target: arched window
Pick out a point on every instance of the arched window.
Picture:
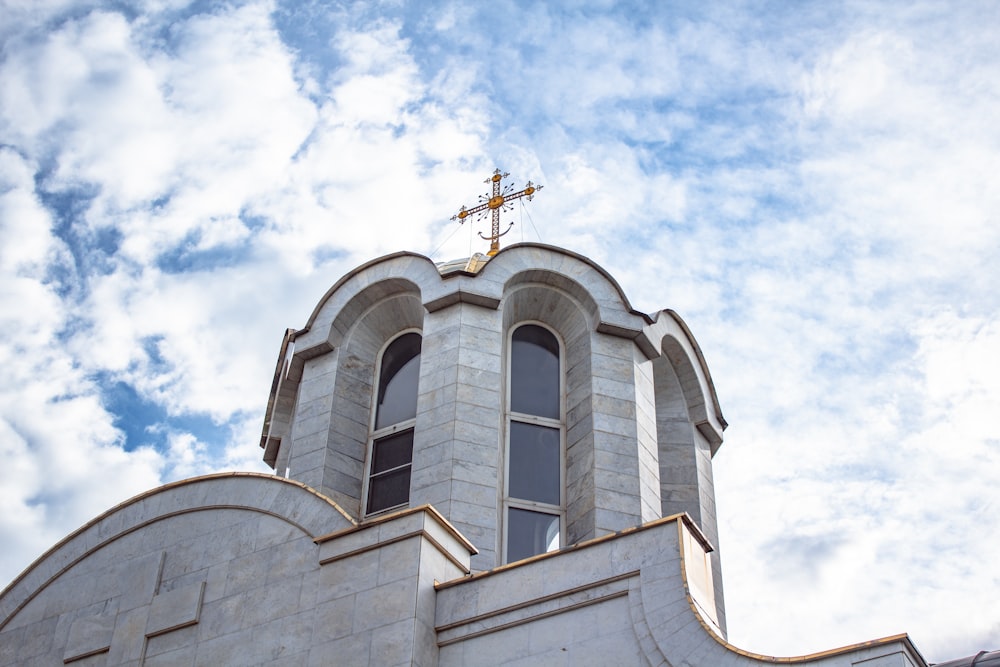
(391, 440)
(534, 504)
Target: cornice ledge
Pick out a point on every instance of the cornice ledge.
(462, 296)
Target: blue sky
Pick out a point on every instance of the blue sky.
(813, 187)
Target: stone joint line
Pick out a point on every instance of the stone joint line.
(142, 612)
(538, 608)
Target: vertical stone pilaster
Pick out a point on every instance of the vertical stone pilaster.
(433, 440)
(616, 459)
(376, 602)
(649, 468)
(458, 420)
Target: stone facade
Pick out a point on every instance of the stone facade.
(642, 417)
(290, 569)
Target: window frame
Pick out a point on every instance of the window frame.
(386, 431)
(509, 415)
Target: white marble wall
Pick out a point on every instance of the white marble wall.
(234, 570)
(252, 569)
(246, 569)
(631, 451)
(627, 599)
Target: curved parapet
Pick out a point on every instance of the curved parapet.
(233, 569)
(485, 286)
(683, 629)
(118, 535)
(641, 597)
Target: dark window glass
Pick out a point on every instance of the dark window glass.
(389, 490)
(534, 463)
(534, 372)
(392, 451)
(396, 404)
(530, 533)
(389, 484)
(397, 385)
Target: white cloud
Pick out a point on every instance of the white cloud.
(60, 446)
(853, 79)
(814, 192)
(872, 466)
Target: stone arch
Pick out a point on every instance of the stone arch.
(689, 393)
(353, 297)
(362, 328)
(387, 299)
(576, 292)
(548, 301)
(670, 338)
(688, 433)
(353, 292)
(576, 274)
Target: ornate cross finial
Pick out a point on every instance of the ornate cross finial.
(497, 202)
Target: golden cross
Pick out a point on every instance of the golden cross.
(494, 204)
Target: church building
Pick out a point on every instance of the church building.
(495, 460)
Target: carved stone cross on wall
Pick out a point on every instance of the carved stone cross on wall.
(139, 611)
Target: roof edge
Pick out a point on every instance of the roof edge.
(701, 362)
(350, 274)
(152, 492)
(583, 258)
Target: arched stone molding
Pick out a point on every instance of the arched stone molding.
(689, 428)
(576, 274)
(674, 340)
(290, 502)
(354, 391)
(534, 297)
(351, 298)
(382, 273)
(582, 299)
(333, 409)
(611, 479)
(377, 298)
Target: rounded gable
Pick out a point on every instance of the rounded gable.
(673, 339)
(288, 501)
(578, 275)
(397, 273)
